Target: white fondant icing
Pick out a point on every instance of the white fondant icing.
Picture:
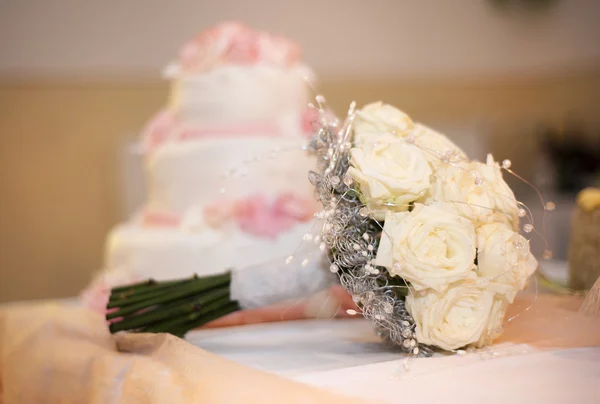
(171, 253)
(182, 174)
(239, 94)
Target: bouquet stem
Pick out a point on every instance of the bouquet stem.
(174, 307)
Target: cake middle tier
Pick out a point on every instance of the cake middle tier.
(199, 172)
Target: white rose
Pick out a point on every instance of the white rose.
(495, 323)
(477, 191)
(451, 319)
(436, 147)
(504, 259)
(377, 119)
(390, 173)
(504, 198)
(429, 247)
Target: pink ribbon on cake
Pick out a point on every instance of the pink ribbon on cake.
(268, 129)
(164, 127)
(255, 214)
(154, 218)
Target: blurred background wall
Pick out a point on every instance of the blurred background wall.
(78, 78)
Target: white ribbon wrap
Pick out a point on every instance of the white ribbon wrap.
(278, 281)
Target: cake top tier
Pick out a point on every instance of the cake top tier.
(233, 43)
(230, 82)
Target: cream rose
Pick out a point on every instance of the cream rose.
(392, 172)
(494, 326)
(429, 247)
(436, 147)
(454, 318)
(504, 259)
(376, 119)
(477, 191)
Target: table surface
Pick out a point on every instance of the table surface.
(297, 347)
(346, 356)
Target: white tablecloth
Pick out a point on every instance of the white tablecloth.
(346, 356)
(297, 348)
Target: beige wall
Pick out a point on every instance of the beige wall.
(60, 142)
(353, 38)
(58, 179)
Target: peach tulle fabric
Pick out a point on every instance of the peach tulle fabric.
(550, 322)
(55, 354)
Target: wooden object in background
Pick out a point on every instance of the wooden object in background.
(584, 252)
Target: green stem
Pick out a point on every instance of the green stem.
(170, 311)
(555, 286)
(195, 287)
(123, 299)
(213, 315)
(176, 323)
(139, 285)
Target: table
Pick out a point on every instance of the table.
(345, 356)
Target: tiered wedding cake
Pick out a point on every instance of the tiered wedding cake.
(226, 174)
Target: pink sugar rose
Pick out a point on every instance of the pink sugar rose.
(190, 54)
(227, 42)
(278, 50)
(255, 215)
(236, 43)
(290, 205)
(243, 47)
(203, 51)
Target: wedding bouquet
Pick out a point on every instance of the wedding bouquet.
(425, 240)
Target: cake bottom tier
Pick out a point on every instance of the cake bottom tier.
(165, 253)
